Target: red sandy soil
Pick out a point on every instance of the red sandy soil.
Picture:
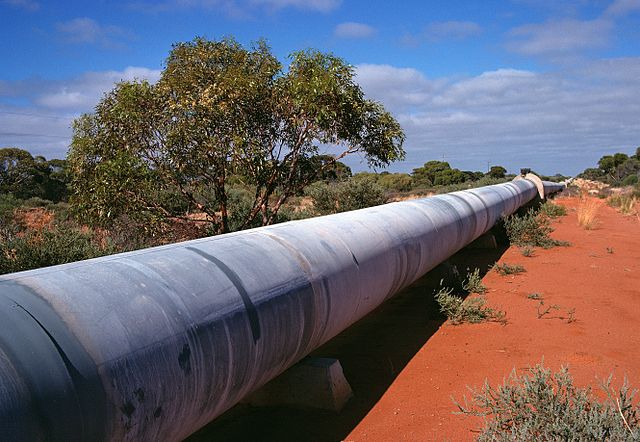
(598, 276)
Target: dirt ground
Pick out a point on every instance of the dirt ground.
(404, 362)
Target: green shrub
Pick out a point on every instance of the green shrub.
(552, 210)
(353, 194)
(508, 269)
(459, 310)
(473, 283)
(484, 181)
(48, 247)
(545, 406)
(8, 204)
(36, 201)
(527, 251)
(531, 229)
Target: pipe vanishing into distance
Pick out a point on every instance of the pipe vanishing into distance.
(152, 345)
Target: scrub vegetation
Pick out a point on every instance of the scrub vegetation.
(542, 405)
(472, 309)
(459, 310)
(531, 229)
(473, 283)
(508, 269)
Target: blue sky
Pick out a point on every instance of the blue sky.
(551, 85)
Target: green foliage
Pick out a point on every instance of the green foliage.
(630, 180)
(438, 173)
(59, 245)
(543, 311)
(535, 296)
(221, 110)
(25, 176)
(546, 406)
(552, 210)
(531, 229)
(617, 169)
(356, 193)
(326, 168)
(484, 181)
(398, 182)
(508, 269)
(8, 204)
(527, 251)
(473, 283)
(459, 310)
(497, 172)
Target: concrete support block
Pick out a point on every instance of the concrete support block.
(486, 241)
(312, 383)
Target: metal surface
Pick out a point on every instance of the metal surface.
(154, 344)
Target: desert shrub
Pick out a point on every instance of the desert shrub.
(473, 283)
(8, 203)
(527, 251)
(47, 247)
(459, 310)
(531, 229)
(347, 195)
(545, 406)
(630, 180)
(36, 201)
(552, 210)
(625, 203)
(508, 269)
(587, 211)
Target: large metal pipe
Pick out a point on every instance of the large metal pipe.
(154, 344)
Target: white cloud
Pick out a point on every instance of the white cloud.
(401, 89)
(623, 7)
(84, 92)
(560, 36)
(42, 124)
(561, 121)
(39, 132)
(499, 87)
(28, 5)
(85, 30)
(354, 30)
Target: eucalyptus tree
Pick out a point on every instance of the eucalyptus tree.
(221, 110)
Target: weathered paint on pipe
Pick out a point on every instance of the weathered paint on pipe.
(154, 344)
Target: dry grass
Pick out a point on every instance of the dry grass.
(625, 203)
(587, 211)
